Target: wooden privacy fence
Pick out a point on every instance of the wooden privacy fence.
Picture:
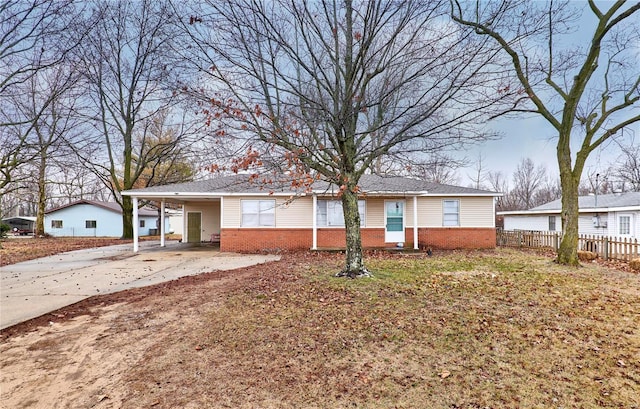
(614, 248)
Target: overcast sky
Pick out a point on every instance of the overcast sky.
(533, 137)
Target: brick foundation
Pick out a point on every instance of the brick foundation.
(271, 240)
(265, 240)
(457, 238)
(335, 238)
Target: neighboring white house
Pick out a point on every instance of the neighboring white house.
(615, 214)
(175, 221)
(87, 218)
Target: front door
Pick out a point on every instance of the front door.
(194, 226)
(394, 221)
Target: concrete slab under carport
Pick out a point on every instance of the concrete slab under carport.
(33, 288)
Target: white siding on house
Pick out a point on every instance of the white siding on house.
(232, 212)
(108, 222)
(476, 212)
(536, 222)
(585, 223)
(430, 212)
(289, 214)
(374, 208)
(614, 223)
(296, 214)
(210, 219)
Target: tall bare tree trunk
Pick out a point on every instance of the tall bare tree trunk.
(127, 217)
(42, 197)
(354, 265)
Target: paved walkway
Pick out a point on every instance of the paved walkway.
(36, 287)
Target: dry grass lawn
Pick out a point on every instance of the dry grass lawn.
(487, 329)
(15, 250)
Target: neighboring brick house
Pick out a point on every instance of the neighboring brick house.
(252, 217)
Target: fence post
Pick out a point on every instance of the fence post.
(606, 248)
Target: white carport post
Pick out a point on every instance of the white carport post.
(136, 224)
(415, 222)
(314, 217)
(162, 223)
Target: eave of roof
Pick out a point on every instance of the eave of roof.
(556, 211)
(239, 185)
(111, 206)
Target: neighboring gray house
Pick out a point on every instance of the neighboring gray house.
(87, 218)
(616, 215)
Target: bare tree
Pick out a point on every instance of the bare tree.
(527, 179)
(127, 65)
(588, 93)
(30, 33)
(627, 172)
(479, 175)
(336, 85)
(548, 191)
(51, 125)
(498, 182)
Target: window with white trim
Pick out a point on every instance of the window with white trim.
(258, 213)
(90, 224)
(329, 213)
(552, 223)
(56, 224)
(624, 224)
(451, 213)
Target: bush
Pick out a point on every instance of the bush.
(4, 228)
(635, 264)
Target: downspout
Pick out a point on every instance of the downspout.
(314, 218)
(136, 224)
(415, 222)
(221, 219)
(162, 203)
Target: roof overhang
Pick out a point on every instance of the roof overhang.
(196, 196)
(556, 211)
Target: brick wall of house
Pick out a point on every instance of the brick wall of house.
(332, 238)
(268, 240)
(457, 238)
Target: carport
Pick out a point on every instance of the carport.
(193, 229)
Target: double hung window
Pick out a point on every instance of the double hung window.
(330, 214)
(258, 213)
(451, 213)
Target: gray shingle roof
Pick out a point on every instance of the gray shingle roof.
(113, 206)
(604, 201)
(368, 184)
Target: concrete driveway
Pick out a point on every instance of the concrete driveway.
(36, 287)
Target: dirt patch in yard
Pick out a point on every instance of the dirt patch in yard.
(515, 331)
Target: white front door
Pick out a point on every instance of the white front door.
(394, 221)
